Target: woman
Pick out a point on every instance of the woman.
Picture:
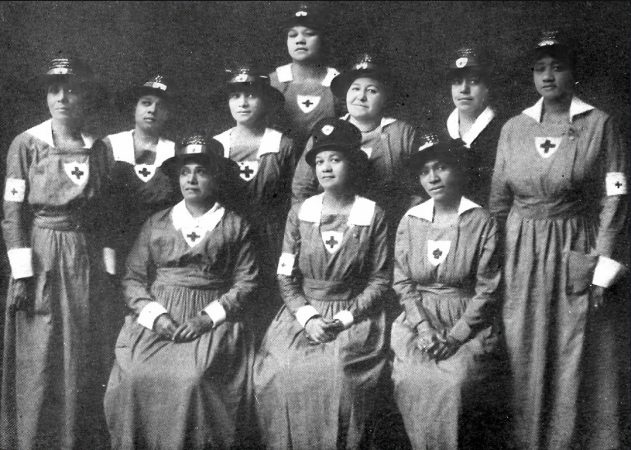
(474, 121)
(180, 374)
(266, 160)
(52, 360)
(137, 185)
(564, 217)
(446, 275)
(388, 142)
(320, 361)
(306, 79)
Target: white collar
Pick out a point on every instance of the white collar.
(481, 122)
(181, 218)
(44, 132)
(385, 121)
(270, 142)
(123, 148)
(361, 213)
(426, 209)
(285, 75)
(577, 107)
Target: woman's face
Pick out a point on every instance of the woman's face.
(553, 79)
(365, 99)
(65, 101)
(333, 170)
(440, 181)
(151, 113)
(197, 183)
(303, 44)
(247, 107)
(469, 93)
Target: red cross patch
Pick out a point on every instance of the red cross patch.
(307, 103)
(547, 146)
(332, 240)
(77, 172)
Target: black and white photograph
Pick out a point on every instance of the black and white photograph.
(324, 225)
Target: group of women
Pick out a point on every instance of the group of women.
(262, 269)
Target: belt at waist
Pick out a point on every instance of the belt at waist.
(190, 278)
(327, 291)
(445, 292)
(60, 223)
(553, 209)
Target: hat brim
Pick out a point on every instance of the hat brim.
(342, 82)
(351, 152)
(170, 166)
(46, 80)
(440, 152)
(271, 94)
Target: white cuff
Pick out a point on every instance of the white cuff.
(345, 317)
(109, 260)
(607, 271)
(150, 313)
(21, 261)
(305, 313)
(216, 312)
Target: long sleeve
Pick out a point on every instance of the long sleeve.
(501, 195)
(405, 288)
(487, 279)
(16, 222)
(380, 272)
(140, 271)
(305, 182)
(244, 275)
(289, 276)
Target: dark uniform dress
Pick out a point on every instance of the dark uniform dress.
(52, 363)
(447, 276)
(389, 182)
(562, 187)
(319, 396)
(305, 103)
(481, 140)
(177, 395)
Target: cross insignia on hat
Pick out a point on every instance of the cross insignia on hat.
(242, 76)
(428, 140)
(548, 38)
(327, 129)
(364, 62)
(157, 82)
(461, 62)
(301, 13)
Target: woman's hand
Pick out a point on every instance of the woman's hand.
(596, 297)
(193, 328)
(23, 295)
(165, 326)
(427, 340)
(320, 331)
(447, 347)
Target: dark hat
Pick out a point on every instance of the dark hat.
(306, 16)
(67, 68)
(556, 43)
(156, 85)
(247, 77)
(470, 58)
(197, 147)
(335, 134)
(431, 146)
(364, 66)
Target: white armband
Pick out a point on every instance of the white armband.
(216, 312)
(14, 190)
(286, 264)
(616, 183)
(345, 317)
(305, 313)
(109, 260)
(607, 271)
(150, 313)
(21, 261)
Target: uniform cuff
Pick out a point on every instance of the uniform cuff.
(607, 272)
(305, 313)
(461, 331)
(149, 313)
(216, 312)
(345, 317)
(21, 261)
(109, 260)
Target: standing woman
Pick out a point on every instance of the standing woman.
(446, 275)
(51, 366)
(180, 376)
(474, 121)
(318, 367)
(368, 89)
(306, 79)
(564, 220)
(138, 187)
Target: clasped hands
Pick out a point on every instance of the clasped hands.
(320, 330)
(436, 345)
(193, 328)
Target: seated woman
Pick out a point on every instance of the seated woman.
(446, 274)
(320, 361)
(182, 358)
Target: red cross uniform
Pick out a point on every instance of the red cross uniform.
(565, 216)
